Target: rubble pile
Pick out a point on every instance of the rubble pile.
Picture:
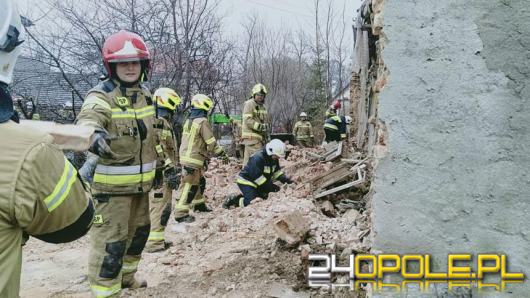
(246, 252)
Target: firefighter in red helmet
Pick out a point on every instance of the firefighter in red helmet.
(121, 110)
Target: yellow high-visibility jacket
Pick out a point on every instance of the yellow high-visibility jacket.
(198, 141)
(40, 195)
(127, 114)
(165, 144)
(303, 130)
(254, 114)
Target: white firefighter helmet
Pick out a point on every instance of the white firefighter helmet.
(303, 114)
(275, 147)
(348, 119)
(10, 39)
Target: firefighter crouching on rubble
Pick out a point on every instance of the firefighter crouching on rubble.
(256, 124)
(40, 192)
(333, 127)
(258, 176)
(303, 131)
(121, 109)
(198, 143)
(166, 180)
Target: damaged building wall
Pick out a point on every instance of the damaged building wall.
(456, 177)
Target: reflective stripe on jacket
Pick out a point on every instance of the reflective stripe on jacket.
(303, 130)
(165, 144)
(253, 116)
(332, 129)
(260, 169)
(198, 142)
(127, 114)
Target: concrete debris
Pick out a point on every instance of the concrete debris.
(305, 250)
(328, 209)
(179, 228)
(166, 260)
(278, 290)
(292, 228)
(352, 215)
(235, 250)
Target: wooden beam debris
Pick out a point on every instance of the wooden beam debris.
(333, 151)
(358, 169)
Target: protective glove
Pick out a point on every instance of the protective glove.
(101, 145)
(286, 180)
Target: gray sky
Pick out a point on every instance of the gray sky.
(295, 14)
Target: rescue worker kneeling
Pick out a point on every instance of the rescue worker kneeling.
(198, 142)
(258, 176)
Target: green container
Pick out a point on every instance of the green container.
(218, 118)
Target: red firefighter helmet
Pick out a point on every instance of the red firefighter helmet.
(336, 105)
(125, 46)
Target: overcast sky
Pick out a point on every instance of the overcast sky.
(292, 13)
(295, 14)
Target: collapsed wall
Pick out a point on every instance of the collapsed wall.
(454, 124)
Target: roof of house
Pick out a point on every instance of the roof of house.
(46, 84)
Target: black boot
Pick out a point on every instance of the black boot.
(187, 219)
(201, 208)
(232, 200)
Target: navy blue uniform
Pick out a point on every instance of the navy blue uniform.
(257, 177)
(333, 129)
(343, 127)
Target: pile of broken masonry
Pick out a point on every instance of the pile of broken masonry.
(267, 242)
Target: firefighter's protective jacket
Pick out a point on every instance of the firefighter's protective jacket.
(254, 116)
(127, 114)
(343, 127)
(165, 144)
(333, 129)
(236, 131)
(40, 195)
(198, 141)
(261, 170)
(303, 130)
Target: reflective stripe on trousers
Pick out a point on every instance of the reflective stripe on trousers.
(100, 291)
(156, 235)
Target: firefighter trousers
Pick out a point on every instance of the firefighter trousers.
(250, 193)
(250, 149)
(190, 192)
(117, 239)
(159, 212)
(305, 142)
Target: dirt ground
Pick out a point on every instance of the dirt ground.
(225, 253)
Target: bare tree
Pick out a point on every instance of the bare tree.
(190, 52)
